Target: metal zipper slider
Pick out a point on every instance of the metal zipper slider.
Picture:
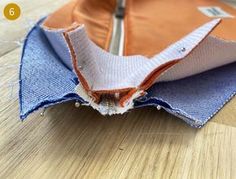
(120, 10)
(117, 40)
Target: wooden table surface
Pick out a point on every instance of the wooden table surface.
(79, 143)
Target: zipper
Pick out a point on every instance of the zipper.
(117, 40)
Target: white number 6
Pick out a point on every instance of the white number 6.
(12, 12)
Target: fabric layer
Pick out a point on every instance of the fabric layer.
(104, 71)
(152, 25)
(195, 99)
(44, 81)
(97, 16)
(155, 22)
(211, 53)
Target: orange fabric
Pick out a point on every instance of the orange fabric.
(157, 23)
(97, 16)
(161, 23)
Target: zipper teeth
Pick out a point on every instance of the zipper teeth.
(117, 40)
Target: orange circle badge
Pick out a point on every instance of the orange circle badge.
(12, 11)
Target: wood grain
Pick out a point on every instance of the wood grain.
(80, 143)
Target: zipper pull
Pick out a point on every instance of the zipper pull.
(120, 9)
(120, 12)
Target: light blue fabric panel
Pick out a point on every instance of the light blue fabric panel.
(195, 99)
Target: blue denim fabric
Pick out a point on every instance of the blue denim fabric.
(45, 81)
(195, 99)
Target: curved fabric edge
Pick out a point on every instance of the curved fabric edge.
(115, 72)
(195, 99)
(34, 50)
(213, 52)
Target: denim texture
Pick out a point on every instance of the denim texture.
(195, 99)
(46, 81)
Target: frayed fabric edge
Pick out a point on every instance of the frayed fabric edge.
(104, 109)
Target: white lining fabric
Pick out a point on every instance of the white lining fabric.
(211, 53)
(105, 71)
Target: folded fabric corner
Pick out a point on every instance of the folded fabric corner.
(44, 80)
